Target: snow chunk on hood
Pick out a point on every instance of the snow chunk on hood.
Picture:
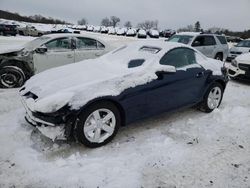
(52, 132)
(244, 58)
(11, 49)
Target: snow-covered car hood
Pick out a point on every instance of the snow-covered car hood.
(244, 58)
(11, 49)
(239, 49)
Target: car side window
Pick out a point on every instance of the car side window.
(199, 41)
(60, 44)
(100, 45)
(179, 57)
(86, 43)
(204, 41)
(222, 39)
(209, 41)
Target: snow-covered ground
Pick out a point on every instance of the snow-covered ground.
(186, 149)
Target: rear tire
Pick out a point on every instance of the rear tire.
(212, 98)
(11, 77)
(98, 124)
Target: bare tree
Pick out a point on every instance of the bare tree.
(148, 24)
(83, 21)
(156, 22)
(114, 20)
(128, 24)
(189, 28)
(216, 30)
(105, 22)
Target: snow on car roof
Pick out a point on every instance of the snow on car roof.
(56, 35)
(150, 51)
(189, 33)
(59, 35)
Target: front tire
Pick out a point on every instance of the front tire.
(212, 98)
(98, 124)
(11, 77)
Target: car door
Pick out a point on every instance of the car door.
(205, 44)
(87, 48)
(59, 52)
(175, 90)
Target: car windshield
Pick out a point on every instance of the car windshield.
(244, 43)
(185, 39)
(36, 42)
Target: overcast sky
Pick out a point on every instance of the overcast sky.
(232, 14)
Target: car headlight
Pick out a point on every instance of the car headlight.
(53, 103)
(234, 63)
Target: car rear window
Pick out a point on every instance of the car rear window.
(135, 63)
(222, 39)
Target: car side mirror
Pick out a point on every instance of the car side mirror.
(164, 69)
(41, 50)
(196, 43)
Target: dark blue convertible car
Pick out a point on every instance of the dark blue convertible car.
(90, 100)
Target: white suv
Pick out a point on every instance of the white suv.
(211, 45)
(241, 48)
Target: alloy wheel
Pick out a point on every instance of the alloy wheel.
(99, 125)
(214, 98)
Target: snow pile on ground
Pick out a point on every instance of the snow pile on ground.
(185, 149)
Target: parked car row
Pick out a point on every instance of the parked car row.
(32, 30)
(130, 32)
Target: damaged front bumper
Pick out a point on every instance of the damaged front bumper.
(56, 126)
(241, 72)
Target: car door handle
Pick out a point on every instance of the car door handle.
(70, 56)
(200, 74)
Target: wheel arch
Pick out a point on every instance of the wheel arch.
(219, 52)
(211, 81)
(222, 82)
(107, 99)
